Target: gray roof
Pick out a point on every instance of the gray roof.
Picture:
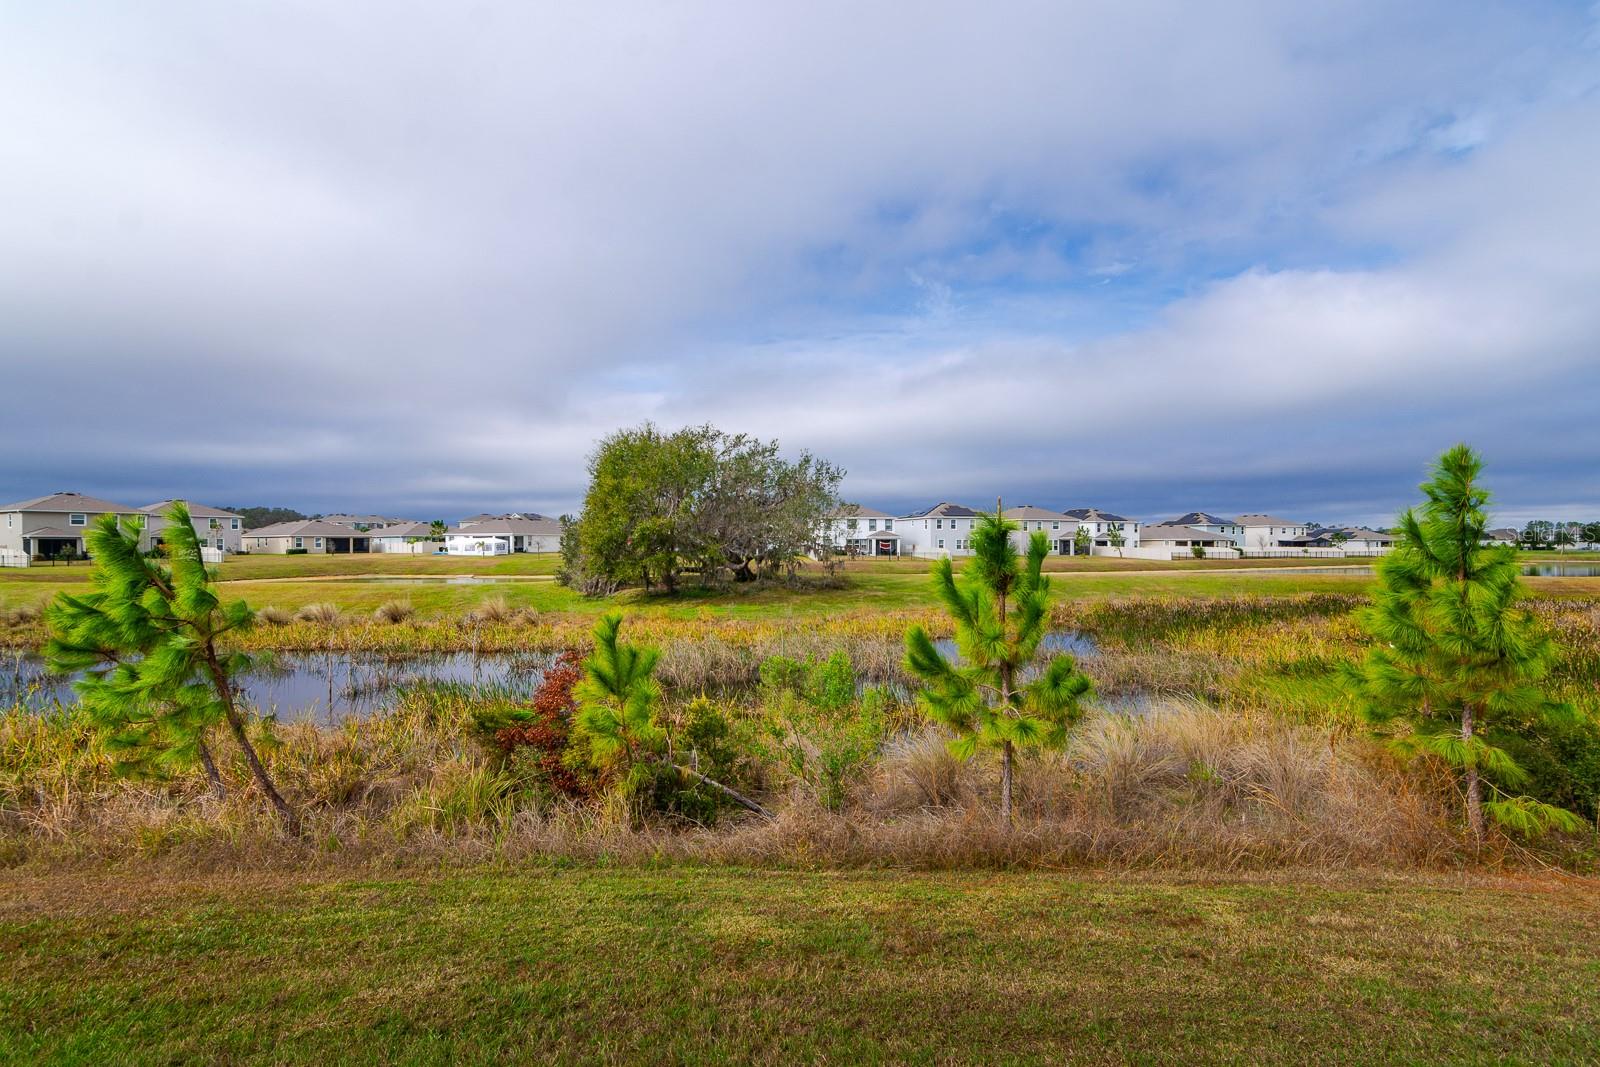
(1171, 531)
(1499, 533)
(198, 511)
(1266, 520)
(944, 509)
(1094, 515)
(505, 527)
(66, 503)
(363, 520)
(55, 531)
(305, 528)
(1029, 513)
(485, 517)
(1201, 518)
(858, 511)
(405, 529)
(1363, 534)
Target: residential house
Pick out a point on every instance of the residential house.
(214, 527)
(495, 537)
(1266, 532)
(413, 537)
(1101, 523)
(307, 535)
(53, 526)
(862, 531)
(945, 529)
(473, 520)
(1183, 539)
(365, 522)
(1204, 520)
(1359, 539)
(1502, 535)
(1057, 527)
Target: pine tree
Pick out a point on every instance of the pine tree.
(1457, 663)
(617, 702)
(997, 699)
(155, 680)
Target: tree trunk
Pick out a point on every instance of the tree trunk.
(1005, 784)
(219, 678)
(218, 790)
(736, 797)
(1474, 783)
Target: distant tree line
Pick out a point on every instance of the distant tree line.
(1543, 533)
(255, 518)
(696, 501)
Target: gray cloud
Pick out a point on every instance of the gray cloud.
(417, 258)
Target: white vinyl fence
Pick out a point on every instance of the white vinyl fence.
(13, 559)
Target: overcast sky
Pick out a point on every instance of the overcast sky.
(415, 258)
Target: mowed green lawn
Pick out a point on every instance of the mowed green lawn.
(358, 584)
(696, 965)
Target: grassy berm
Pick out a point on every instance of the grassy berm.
(700, 965)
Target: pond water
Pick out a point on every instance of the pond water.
(315, 686)
(1562, 570)
(327, 688)
(440, 579)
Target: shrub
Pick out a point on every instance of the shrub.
(325, 613)
(534, 737)
(394, 611)
(296, 551)
(275, 616)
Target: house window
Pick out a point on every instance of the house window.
(872, 524)
(938, 524)
(78, 518)
(233, 524)
(319, 542)
(1055, 526)
(888, 524)
(8, 521)
(299, 542)
(941, 542)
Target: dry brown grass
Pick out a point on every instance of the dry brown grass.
(1185, 786)
(393, 612)
(322, 614)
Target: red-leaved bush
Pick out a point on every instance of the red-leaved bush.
(544, 739)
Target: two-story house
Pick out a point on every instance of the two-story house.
(214, 527)
(53, 526)
(942, 530)
(1209, 523)
(1265, 532)
(855, 530)
(1101, 523)
(1056, 526)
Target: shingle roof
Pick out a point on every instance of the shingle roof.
(1201, 518)
(858, 511)
(945, 509)
(1266, 520)
(1171, 531)
(69, 502)
(1094, 515)
(198, 511)
(56, 531)
(526, 527)
(1029, 513)
(405, 529)
(305, 528)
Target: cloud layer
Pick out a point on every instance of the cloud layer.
(416, 258)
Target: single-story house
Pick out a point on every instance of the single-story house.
(862, 531)
(1056, 526)
(1502, 535)
(214, 527)
(1359, 537)
(50, 526)
(308, 535)
(403, 537)
(492, 537)
(1176, 538)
